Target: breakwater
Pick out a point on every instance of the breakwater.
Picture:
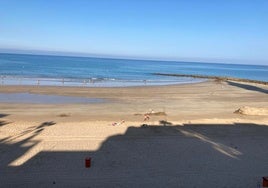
(217, 78)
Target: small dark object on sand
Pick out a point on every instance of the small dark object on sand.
(64, 115)
(120, 123)
(144, 125)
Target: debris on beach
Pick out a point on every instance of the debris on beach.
(64, 115)
(152, 114)
(158, 114)
(144, 125)
(165, 123)
(118, 123)
(245, 110)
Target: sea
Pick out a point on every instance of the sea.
(50, 70)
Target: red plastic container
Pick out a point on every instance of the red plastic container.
(265, 181)
(88, 162)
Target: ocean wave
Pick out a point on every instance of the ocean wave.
(91, 82)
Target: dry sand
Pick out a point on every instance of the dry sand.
(201, 142)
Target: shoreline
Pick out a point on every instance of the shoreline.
(91, 82)
(205, 100)
(12, 88)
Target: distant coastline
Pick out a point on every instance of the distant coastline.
(218, 78)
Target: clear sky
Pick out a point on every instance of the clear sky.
(233, 31)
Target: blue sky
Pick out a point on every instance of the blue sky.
(231, 31)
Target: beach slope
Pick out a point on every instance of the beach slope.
(195, 137)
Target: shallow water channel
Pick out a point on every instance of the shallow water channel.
(45, 99)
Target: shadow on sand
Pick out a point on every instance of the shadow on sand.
(3, 115)
(11, 150)
(248, 87)
(217, 155)
(2, 123)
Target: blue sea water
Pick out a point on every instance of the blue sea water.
(24, 69)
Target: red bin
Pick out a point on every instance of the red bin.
(265, 181)
(88, 162)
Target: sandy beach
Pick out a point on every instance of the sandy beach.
(193, 138)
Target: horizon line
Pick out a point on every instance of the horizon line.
(122, 57)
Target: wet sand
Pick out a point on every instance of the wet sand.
(200, 142)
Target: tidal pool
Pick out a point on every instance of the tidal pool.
(45, 99)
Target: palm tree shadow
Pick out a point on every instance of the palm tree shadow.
(2, 123)
(13, 149)
(3, 115)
